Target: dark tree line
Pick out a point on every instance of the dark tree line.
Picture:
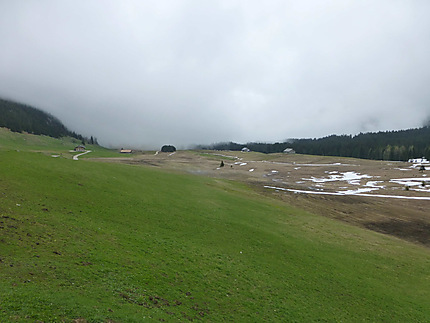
(390, 145)
(23, 118)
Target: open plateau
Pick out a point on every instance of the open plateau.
(394, 195)
(99, 236)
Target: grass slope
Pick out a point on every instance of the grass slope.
(110, 242)
(27, 142)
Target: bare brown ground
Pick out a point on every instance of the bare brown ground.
(402, 218)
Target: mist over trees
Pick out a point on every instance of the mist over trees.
(23, 118)
(390, 145)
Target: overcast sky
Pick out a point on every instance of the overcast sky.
(141, 74)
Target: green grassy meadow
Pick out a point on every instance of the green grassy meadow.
(108, 242)
(48, 145)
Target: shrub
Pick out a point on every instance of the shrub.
(168, 149)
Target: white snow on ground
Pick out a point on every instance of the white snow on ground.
(374, 184)
(358, 191)
(295, 164)
(172, 153)
(416, 166)
(419, 184)
(240, 163)
(350, 177)
(273, 172)
(414, 184)
(349, 193)
(76, 156)
(251, 170)
(422, 189)
(354, 182)
(156, 153)
(411, 181)
(322, 165)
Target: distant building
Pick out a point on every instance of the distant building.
(289, 151)
(79, 148)
(420, 163)
(246, 150)
(125, 151)
(422, 160)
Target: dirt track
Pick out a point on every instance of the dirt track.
(403, 218)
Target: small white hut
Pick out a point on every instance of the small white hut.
(289, 151)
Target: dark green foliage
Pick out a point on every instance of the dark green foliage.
(168, 149)
(24, 118)
(390, 145)
(19, 117)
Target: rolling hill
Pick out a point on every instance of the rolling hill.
(24, 118)
(86, 241)
(398, 145)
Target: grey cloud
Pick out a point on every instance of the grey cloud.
(144, 73)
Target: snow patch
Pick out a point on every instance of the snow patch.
(375, 184)
(356, 194)
(352, 178)
(358, 191)
(240, 163)
(411, 181)
(354, 182)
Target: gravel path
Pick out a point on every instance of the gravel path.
(78, 155)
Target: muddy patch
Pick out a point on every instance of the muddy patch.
(414, 231)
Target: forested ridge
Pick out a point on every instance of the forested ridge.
(20, 117)
(398, 145)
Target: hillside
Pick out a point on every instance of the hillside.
(24, 118)
(108, 242)
(389, 145)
